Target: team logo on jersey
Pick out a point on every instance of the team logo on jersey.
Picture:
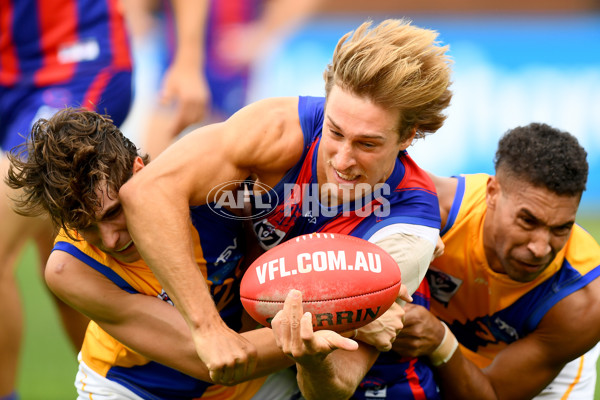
(374, 388)
(442, 285)
(165, 297)
(233, 200)
(268, 236)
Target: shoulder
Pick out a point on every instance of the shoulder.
(575, 316)
(446, 191)
(266, 137)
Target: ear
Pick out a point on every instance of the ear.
(138, 164)
(492, 192)
(406, 142)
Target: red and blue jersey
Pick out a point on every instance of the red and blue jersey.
(292, 208)
(61, 53)
(45, 42)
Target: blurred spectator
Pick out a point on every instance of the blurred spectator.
(53, 54)
(209, 47)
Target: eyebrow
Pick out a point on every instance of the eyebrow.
(530, 215)
(375, 136)
(108, 212)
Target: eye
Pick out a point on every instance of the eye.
(368, 145)
(562, 230)
(113, 213)
(335, 133)
(527, 222)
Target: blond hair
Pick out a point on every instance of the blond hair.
(398, 66)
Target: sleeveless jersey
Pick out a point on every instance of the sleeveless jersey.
(46, 42)
(411, 199)
(491, 310)
(218, 255)
(293, 207)
(59, 53)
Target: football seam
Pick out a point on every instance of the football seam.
(322, 301)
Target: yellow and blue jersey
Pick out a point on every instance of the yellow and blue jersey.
(487, 310)
(218, 254)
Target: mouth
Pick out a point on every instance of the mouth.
(531, 267)
(126, 247)
(346, 178)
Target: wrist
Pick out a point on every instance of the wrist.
(445, 350)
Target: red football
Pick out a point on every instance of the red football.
(346, 282)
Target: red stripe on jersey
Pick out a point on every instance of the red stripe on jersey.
(414, 177)
(9, 67)
(119, 38)
(413, 381)
(58, 27)
(228, 12)
(94, 92)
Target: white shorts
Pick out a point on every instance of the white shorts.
(576, 381)
(281, 385)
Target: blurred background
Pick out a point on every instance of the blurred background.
(515, 62)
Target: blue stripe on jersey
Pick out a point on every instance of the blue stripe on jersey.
(154, 381)
(509, 324)
(103, 269)
(26, 36)
(567, 281)
(458, 197)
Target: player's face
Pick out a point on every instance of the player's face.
(525, 227)
(359, 145)
(109, 232)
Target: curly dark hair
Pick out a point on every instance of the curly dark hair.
(58, 169)
(545, 157)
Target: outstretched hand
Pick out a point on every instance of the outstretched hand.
(294, 334)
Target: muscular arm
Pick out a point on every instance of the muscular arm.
(135, 319)
(567, 331)
(156, 203)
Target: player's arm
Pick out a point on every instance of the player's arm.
(329, 365)
(156, 203)
(567, 331)
(144, 323)
(184, 83)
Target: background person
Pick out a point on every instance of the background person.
(52, 54)
(203, 51)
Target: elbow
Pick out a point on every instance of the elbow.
(131, 192)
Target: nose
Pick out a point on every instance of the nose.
(109, 235)
(539, 244)
(344, 158)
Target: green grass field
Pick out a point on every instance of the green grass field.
(49, 364)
